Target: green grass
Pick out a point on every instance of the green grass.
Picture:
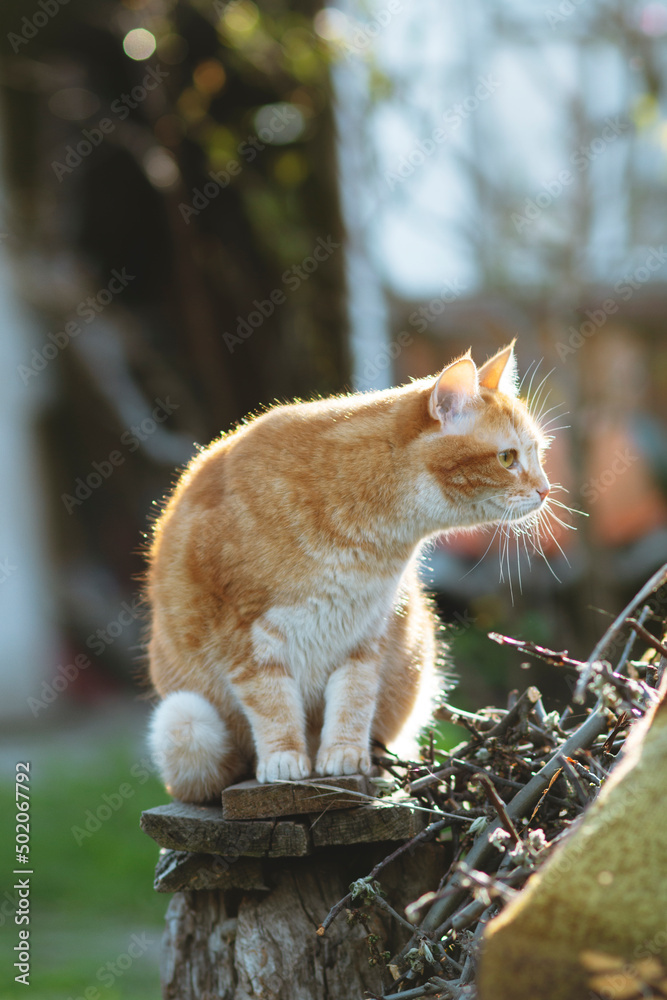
(92, 886)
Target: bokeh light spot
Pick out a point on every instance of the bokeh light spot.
(209, 77)
(331, 24)
(278, 124)
(241, 17)
(139, 44)
(161, 168)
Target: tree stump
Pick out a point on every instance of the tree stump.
(254, 878)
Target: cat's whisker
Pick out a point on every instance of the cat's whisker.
(547, 428)
(563, 524)
(546, 524)
(572, 510)
(552, 513)
(509, 568)
(537, 543)
(525, 375)
(544, 412)
(539, 388)
(533, 403)
(530, 385)
(503, 534)
(525, 545)
(483, 554)
(556, 406)
(543, 407)
(505, 551)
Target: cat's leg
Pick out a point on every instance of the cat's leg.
(272, 703)
(409, 681)
(349, 707)
(192, 747)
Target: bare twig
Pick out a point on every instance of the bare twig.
(632, 638)
(499, 806)
(550, 656)
(423, 835)
(647, 636)
(525, 799)
(657, 580)
(574, 780)
(530, 697)
(521, 750)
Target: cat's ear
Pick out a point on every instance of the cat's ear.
(455, 389)
(500, 372)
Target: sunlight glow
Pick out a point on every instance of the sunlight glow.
(139, 44)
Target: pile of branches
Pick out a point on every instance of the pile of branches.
(507, 796)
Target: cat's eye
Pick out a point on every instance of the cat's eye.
(507, 458)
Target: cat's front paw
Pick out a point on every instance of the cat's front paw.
(284, 765)
(343, 758)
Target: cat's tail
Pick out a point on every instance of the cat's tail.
(191, 747)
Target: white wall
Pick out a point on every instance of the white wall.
(28, 643)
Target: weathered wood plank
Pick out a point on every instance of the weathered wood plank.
(367, 824)
(250, 800)
(290, 839)
(201, 829)
(180, 870)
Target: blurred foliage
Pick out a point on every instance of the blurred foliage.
(190, 145)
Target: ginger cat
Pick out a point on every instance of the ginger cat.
(288, 622)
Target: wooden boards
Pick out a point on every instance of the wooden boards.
(202, 829)
(250, 800)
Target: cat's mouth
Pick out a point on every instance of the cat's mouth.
(519, 509)
(525, 508)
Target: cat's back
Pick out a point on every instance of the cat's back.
(285, 454)
(254, 487)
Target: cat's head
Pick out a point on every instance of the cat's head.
(486, 450)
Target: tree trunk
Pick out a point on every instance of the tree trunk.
(236, 945)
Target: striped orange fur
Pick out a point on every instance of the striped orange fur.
(289, 627)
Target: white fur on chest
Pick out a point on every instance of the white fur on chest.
(312, 637)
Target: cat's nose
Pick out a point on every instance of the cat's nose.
(543, 493)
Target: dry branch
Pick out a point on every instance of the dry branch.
(524, 781)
